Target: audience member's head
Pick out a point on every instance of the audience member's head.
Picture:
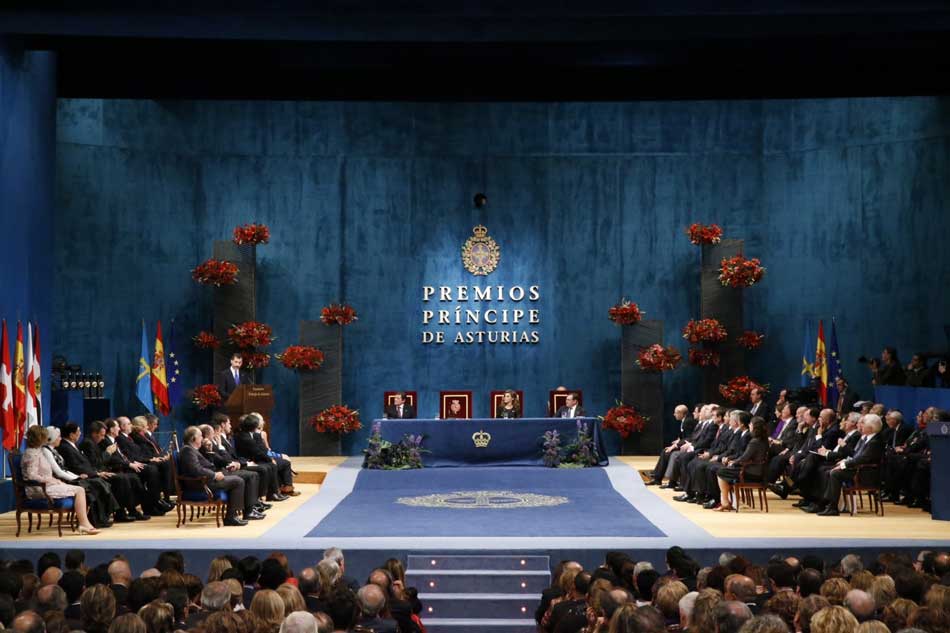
(372, 599)
(342, 607)
(930, 620)
(835, 589)
(860, 604)
(216, 596)
(704, 610)
(293, 599)
(273, 574)
(833, 619)
(74, 560)
(268, 606)
(29, 622)
(47, 560)
(158, 616)
(51, 598)
(170, 560)
(809, 582)
(96, 609)
(739, 587)
(896, 614)
(766, 623)
(645, 581)
(784, 604)
(686, 605)
(668, 599)
(299, 622)
(807, 609)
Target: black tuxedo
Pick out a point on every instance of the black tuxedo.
(226, 384)
(193, 464)
(866, 453)
(408, 412)
(564, 412)
(266, 471)
(149, 449)
(687, 425)
(251, 447)
(149, 477)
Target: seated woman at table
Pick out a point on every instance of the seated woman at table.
(510, 406)
(455, 410)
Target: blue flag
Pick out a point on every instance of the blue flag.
(173, 367)
(143, 381)
(834, 368)
(808, 354)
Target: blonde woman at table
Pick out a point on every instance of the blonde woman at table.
(510, 406)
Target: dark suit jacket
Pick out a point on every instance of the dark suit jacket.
(756, 451)
(850, 397)
(764, 411)
(895, 437)
(847, 450)
(232, 452)
(378, 625)
(408, 412)
(892, 374)
(686, 427)
(738, 444)
(92, 452)
(721, 444)
(75, 461)
(225, 381)
(192, 463)
(132, 450)
(147, 445)
(250, 447)
(562, 412)
(706, 437)
(870, 453)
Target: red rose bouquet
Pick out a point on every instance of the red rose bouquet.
(751, 340)
(740, 272)
(301, 357)
(215, 272)
(625, 313)
(337, 314)
(206, 340)
(703, 357)
(256, 360)
(624, 419)
(704, 331)
(251, 234)
(251, 334)
(658, 358)
(738, 389)
(206, 396)
(336, 419)
(702, 234)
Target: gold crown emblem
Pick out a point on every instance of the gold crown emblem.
(480, 231)
(481, 439)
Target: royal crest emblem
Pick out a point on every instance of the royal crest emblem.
(481, 439)
(480, 253)
(483, 500)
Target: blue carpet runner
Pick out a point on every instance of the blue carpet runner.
(484, 502)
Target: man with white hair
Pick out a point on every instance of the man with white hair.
(868, 452)
(687, 603)
(336, 555)
(299, 622)
(372, 603)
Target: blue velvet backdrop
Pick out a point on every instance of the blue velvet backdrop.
(844, 200)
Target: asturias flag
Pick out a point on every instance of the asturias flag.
(808, 361)
(834, 367)
(6, 393)
(19, 387)
(821, 367)
(159, 382)
(143, 382)
(173, 366)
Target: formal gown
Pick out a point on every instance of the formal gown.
(36, 466)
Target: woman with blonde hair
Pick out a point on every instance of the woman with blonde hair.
(834, 620)
(217, 567)
(35, 466)
(510, 405)
(293, 599)
(158, 616)
(269, 607)
(128, 623)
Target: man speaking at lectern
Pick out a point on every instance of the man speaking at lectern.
(232, 377)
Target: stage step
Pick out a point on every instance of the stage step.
(478, 593)
(436, 581)
(419, 562)
(474, 625)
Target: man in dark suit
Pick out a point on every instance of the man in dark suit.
(806, 459)
(152, 453)
(126, 487)
(372, 602)
(400, 409)
(680, 413)
(869, 451)
(692, 465)
(119, 461)
(846, 397)
(900, 462)
(895, 432)
(689, 451)
(757, 404)
(708, 481)
(269, 485)
(193, 464)
(225, 464)
(76, 462)
(571, 408)
(812, 488)
(232, 377)
(250, 446)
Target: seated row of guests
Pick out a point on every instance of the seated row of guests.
(508, 407)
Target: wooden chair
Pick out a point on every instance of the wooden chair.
(445, 402)
(200, 501)
(557, 399)
(39, 506)
(745, 490)
(495, 399)
(866, 473)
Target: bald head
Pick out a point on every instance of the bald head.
(28, 622)
(860, 604)
(51, 576)
(372, 600)
(51, 598)
(120, 573)
(740, 588)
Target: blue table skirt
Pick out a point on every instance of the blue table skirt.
(513, 442)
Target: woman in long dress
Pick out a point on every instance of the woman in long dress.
(98, 492)
(35, 466)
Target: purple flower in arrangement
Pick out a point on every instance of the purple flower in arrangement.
(552, 449)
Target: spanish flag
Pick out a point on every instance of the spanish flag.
(159, 382)
(821, 367)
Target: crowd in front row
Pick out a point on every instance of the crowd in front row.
(121, 474)
(804, 450)
(788, 594)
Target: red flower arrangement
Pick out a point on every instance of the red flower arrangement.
(337, 314)
(703, 357)
(251, 334)
(625, 313)
(336, 419)
(658, 358)
(738, 389)
(702, 234)
(215, 272)
(301, 357)
(206, 396)
(751, 340)
(624, 419)
(704, 331)
(255, 360)
(251, 234)
(740, 272)
(206, 340)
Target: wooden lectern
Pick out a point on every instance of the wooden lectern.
(250, 399)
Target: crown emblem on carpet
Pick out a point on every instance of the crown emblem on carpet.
(480, 253)
(483, 500)
(481, 439)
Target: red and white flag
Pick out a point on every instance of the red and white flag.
(6, 393)
(30, 381)
(37, 375)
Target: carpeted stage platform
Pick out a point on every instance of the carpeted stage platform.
(560, 513)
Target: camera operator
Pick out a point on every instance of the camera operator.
(939, 374)
(888, 370)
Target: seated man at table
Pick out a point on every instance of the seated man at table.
(400, 409)
(571, 408)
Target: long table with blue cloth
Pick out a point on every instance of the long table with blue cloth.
(463, 442)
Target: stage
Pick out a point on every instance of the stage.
(593, 511)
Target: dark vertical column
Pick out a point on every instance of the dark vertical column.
(725, 304)
(235, 303)
(642, 389)
(322, 388)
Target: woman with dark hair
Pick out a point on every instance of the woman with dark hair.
(510, 406)
(753, 459)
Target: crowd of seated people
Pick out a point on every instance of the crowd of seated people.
(798, 449)
(788, 594)
(121, 474)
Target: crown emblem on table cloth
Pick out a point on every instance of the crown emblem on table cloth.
(480, 253)
(481, 439)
